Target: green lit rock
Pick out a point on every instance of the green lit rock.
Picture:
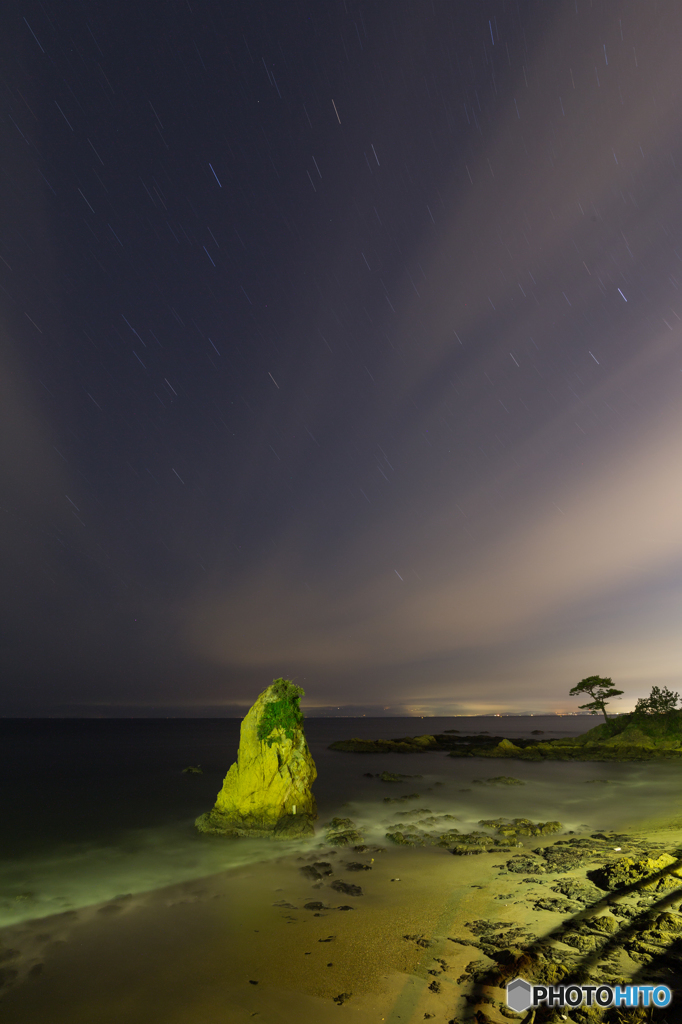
(649, 873)
(635, 737)
(425, 831)
(505, 747)
(667, 922)
(407, 838)
(628, 737)
(343, 832)
(425, 742)
(607, 924)
(501, 780)
(267, 792)
(522, 827)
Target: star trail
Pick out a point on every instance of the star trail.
(339, 342)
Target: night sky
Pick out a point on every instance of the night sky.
(341, 341)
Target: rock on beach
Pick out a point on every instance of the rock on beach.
(268, 790)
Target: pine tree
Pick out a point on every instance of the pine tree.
(600, 689)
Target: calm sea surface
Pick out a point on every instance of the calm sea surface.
(92, 809)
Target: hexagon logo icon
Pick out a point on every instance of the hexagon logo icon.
(518, 995)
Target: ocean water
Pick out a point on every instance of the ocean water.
(93, 809)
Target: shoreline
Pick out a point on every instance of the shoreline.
(637, 736)
(242, 941)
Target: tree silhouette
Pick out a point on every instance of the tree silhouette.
(658, 702)
(600, 689)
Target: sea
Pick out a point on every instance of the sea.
(93, 809)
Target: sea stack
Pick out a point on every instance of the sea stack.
(267, 792)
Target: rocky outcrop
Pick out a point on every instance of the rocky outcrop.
(521, 827)
(648, 874)
(500, 780)
(342, 832)
(403, 745)
(436, 830)
(505, 748)
(602, 929)
(267, 792)
(628, 737)
(634, 737)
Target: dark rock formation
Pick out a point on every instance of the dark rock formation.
(404, 745)
(342, 832)
(522, 827)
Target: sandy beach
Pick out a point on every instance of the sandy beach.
(241, 945)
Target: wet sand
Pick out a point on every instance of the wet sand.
(240, 945)
(192, 952)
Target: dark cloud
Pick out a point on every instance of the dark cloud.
(341, 342)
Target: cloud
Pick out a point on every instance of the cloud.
(580, 546)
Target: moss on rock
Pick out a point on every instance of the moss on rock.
(281, 717)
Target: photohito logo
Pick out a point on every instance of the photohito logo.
(522, 996)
